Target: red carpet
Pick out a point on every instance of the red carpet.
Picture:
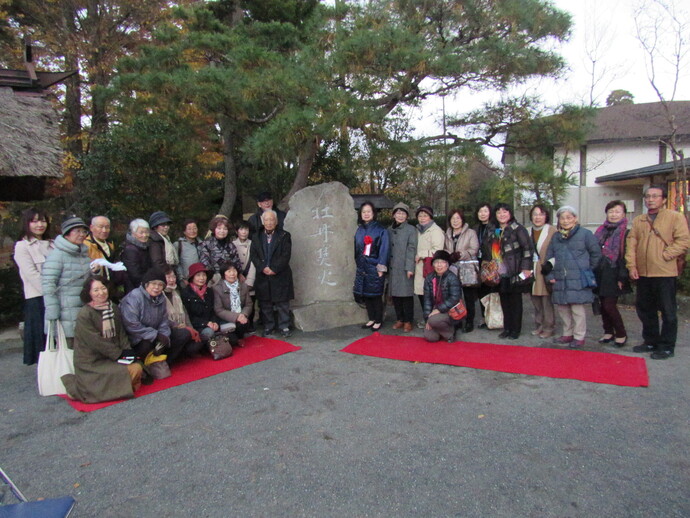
(613, 369)
(256, 350)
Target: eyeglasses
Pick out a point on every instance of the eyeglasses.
(652, 196)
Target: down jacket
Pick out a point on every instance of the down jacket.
(569, 255)
(66, 269)
(450, 288)
(144, 316)
(368, 283)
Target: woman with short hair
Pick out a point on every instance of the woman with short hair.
(574, 253)
(198, 301)
(403, 245)
(442, 291)
(187, 249)
(541, 233)
(372, 249)
(232, 304)
(217, 249)
(135, 253)
(66, 268)
(430, 239)
(612, 274)
(462, 244)
(104, 364)
(30, 254)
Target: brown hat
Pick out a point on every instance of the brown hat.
(425, 208)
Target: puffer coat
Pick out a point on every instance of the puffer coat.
(451, 291)
(368, 283)
(144, 316)
(569, 255)
(66, 269)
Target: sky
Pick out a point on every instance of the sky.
(620, 57)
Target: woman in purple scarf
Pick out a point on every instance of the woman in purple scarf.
(612, 275)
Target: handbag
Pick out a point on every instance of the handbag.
(490, 274)
(53, 363)
(587, 277)
(458, 312)
(493, 313)
(468, 273)
(428, 266)
(220, 347)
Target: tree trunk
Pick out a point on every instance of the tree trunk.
(72, 91)
(229, 169)
(306, 160)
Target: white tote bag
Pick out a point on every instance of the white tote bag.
(54, 362)
(493, 313)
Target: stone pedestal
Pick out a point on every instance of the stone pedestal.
(322, 222)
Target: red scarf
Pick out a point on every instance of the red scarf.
(200, 291)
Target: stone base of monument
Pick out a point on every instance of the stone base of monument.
(327, 315)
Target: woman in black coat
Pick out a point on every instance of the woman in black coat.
(611, 274)
(197, 298)
(270, 252)
(511, 246)
(135, 253)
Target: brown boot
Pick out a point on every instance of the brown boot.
(398, 325)
(407, 327)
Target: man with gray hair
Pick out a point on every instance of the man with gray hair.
(657, 239)
(270, 253)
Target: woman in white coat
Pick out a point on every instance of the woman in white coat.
(30, 253)
(430, 239)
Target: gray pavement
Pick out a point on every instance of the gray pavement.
(323, 433)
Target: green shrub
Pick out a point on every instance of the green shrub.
(11, 296)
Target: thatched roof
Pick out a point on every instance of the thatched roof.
(29, 136)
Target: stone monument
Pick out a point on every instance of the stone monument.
(322, 221)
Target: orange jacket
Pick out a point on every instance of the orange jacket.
(647, 252)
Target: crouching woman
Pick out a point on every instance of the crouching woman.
(100, 341)
(442, 291)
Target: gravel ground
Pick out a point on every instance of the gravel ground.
(322, 433)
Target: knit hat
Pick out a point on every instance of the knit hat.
(196, 268)
(158, 218)
(425, 208)
(441, 254)
(401, 206)
(71, 223)
(264, 196)
(153, 274)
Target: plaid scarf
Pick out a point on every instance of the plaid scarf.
(108, 319)
(611, 238)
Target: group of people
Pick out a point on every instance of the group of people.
(175, 296)
(130, 314)
(563, 266)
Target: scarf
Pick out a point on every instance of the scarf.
(424, 228)
(133, 240)
(566, 233)
(107, 318)
(438, 292)
(611, 237)
(199, 291)
(173, 303)
(235, 303)
(496, 245)
(171, 256)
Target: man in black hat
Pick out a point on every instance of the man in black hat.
(264, 201)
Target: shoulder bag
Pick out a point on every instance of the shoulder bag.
(680, 260)
(53, 363)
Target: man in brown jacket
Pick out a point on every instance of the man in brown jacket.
(655, 241)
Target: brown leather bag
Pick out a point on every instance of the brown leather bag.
(220, 346)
